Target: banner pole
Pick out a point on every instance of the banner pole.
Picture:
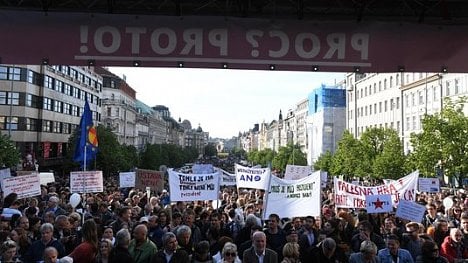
(267, 192)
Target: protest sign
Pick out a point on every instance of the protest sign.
(153, 179)
(294, 172)
(25, 185)
(430, 185)
(193, 187)
(127, 179)
(202, 169)
(86, 182)
(46, 178)
(410, 211)
(256, 178)
(291, 198)
(227, 179)
(4, 173)
(378, 204)
(354, 196)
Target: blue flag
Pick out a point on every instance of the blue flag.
(87, 140)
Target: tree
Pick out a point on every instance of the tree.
(444, 140)
(110, 157)
(324, 162)
(390, 162)
(290, 154)
(9, 155)
(263, 157)
(210, 150)
(349, 157)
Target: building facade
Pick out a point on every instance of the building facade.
(41, 106)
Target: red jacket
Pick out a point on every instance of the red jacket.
(448, 249)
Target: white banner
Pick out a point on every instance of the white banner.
(294, 172)
(256, 178)
(291, 198)
(86, 182)
(24, 185)
(379, 204)
(354, 196)
(411, 211)
(430, 185)
(193, 187)
(4, 173)
(227, 179)
(202, 169)
(46, 178)
(127, 179)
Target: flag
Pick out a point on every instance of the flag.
(87, 140)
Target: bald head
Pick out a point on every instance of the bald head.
(140, 232)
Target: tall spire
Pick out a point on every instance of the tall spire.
(280, 116)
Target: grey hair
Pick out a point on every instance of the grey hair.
(251, 220)
(122, 238)
(46, 226)
(368, 247)
(183, 229)
(167, 236)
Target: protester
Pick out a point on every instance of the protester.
(170, 253)
(367, 253)
(120, 252)
(291, 253)
(36, 250)
(259, 250)
(393, 252)
(141, 248)
(229, 254)
(105, 248)
(87, 250)
(430, 254)
(453, 248)
(201, 253)
(8, 252)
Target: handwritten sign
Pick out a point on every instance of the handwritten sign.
(256, 178)
(150, 178)
(354, 196)
(291, 198)
(410, 211)
(127, 179)
(379, 204)
(46, 178)
(86, 182)
(25, 186)
(192, 187)
(294, 172)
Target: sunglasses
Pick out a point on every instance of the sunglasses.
(230, 254)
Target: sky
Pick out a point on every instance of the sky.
(223, 102)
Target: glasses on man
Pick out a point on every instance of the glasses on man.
(230, 254)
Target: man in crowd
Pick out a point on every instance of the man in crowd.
(170, 253)
(275, 236)
(259, 252)
(141, 248)
(36, 250)
(393, 252)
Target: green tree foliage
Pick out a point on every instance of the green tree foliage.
(324, 162)
(444, 140)
(263, 157)
(9, 155)
(171, 155)
(390, 162)
(111, 157)
(210, 150)
(290, 154)
(238, 152)
(348, 157)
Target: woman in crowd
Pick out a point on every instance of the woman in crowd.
(87, 250)
(291, 253)
(8, 251)
(430, 253)
(229, 254)
(105, 248)
(108, 234)
(20, 237)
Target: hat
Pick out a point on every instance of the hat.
(144, 219)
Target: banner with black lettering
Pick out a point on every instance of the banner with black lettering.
(291, 198)
(256, 178)
(193, 187)
(227, 179)
(354, 196)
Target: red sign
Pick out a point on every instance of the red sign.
(46, 149)
(217, 42)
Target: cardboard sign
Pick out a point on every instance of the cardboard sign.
(379, 204)
(430, 185)
(256, 178)
(25, 185)
(127, 179)
(153, 179)
(192, 187)
(410, 211)
(86, 182)
(46, 178)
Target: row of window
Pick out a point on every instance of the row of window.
(35, 125)
(391, 125)
(372, 109)
(29, 100)
(76, 75)
(377, 87)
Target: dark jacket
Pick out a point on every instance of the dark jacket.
(250, 256)
(36, 250)
(120, 255)
(180, 256)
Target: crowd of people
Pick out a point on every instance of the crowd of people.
(128, 225)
